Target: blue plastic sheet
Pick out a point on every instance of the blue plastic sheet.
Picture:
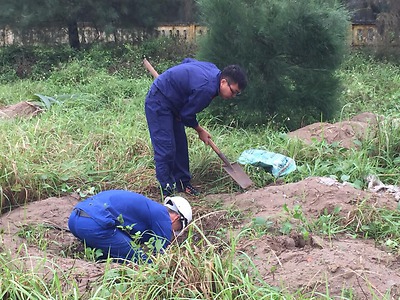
(277, 164)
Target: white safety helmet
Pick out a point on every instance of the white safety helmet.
(182, 207)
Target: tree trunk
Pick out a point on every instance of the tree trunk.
(73, 35)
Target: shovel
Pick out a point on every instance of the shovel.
(234, 169)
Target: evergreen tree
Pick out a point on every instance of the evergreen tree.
(290, 50)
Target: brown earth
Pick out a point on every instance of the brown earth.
(20, 109)
(290, 262)
(294, 263)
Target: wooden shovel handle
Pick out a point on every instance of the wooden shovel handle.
(220, 154)
(150, 68)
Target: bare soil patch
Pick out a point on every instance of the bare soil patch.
(20, 109)
(288, 262)
(341, 262)
(344, 133)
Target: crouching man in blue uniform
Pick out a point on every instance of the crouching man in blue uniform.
(118, 222)
(173, 101)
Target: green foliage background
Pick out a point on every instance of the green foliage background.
(291, 50)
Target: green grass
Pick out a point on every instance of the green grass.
(96, 138)
(370, 86)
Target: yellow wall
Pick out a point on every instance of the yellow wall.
(364, 34)
(187, 31)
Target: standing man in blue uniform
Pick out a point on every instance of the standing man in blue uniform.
(173, 101)
(118, 222)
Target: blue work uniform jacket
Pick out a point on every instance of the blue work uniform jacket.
(132, 211)
(189, 88)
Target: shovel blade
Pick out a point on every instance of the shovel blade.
(237, 173)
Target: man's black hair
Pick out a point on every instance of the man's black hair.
(235, 74)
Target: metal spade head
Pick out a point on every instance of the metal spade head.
(237, 173)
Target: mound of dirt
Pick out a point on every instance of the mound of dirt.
(288, 262)
(342, 262)
(345, 133)
(21, 109)
(50, 216)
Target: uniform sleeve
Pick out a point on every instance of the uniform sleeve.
(160, 242)
(160, 226)
(196, 103)
(162, 231)
(152, 221)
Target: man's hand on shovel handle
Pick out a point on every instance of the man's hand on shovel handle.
(203, 134)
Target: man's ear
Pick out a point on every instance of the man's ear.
(177, 217)
(174, 218)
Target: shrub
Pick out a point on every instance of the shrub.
(290, 49)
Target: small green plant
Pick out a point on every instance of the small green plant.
(303, 226)
(380, 224)
(273, 270)
(143, 251)
(260, 226)
(330, 224)
(35, 234)
(44, 101)
(92, 254)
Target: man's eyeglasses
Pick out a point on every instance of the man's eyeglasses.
(234, 93)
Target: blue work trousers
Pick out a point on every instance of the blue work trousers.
(169, 141)
(112, 241)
